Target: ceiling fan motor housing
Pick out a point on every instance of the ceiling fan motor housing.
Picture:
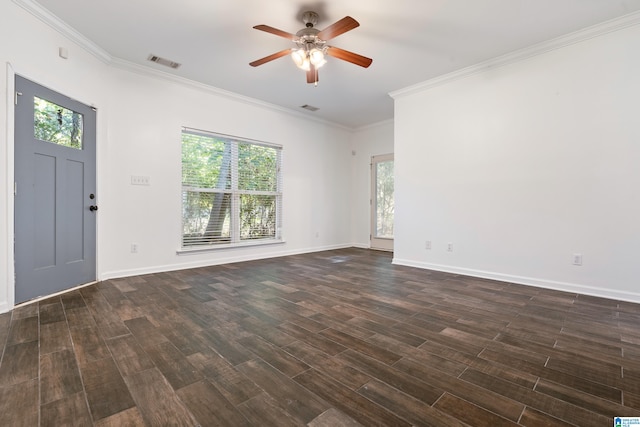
(308, 36)
(310, 19)
(309, 40)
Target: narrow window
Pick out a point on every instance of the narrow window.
(231, 190)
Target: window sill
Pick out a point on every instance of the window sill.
(213, 248)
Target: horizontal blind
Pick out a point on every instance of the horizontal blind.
(231, 190)
(257, 168)
(206, 218)
(206, 162)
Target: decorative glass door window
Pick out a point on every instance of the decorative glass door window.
(56, 124)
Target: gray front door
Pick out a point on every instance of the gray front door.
(55, 192)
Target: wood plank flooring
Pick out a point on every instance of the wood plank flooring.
(335, 338)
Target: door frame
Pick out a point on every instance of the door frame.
(10, 176)
(378, 243)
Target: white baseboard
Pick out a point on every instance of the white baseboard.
(529, 281)
(4, 307)
(521, 280)
(361, 245)
(210, 262)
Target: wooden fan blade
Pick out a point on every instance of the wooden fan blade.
(342, 26)
(270, 57)
(277, 32)
(312, 74)
(345, 55)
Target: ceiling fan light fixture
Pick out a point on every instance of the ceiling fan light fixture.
(311, 51)
(316, 57)
(300, 58)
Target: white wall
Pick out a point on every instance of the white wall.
(368, 141)
(519, 167)
(139, 122)
(524, 165)
(145, 121)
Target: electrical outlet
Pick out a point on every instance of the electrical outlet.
(427, 245)
(449, 247)
(577, 259)
(134, 248)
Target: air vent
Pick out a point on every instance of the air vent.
(309, 107)
(163, 61)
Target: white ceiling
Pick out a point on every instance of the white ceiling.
(410, 41)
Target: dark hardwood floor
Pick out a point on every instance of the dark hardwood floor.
(336, 338)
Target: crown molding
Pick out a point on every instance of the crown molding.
(63, 28)
(375, 125)
(597, 30)
(162, 75)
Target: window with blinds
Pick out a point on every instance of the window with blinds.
(231, 190)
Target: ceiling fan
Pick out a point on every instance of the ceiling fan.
(311, 45)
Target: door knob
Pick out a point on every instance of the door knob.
(93, 208)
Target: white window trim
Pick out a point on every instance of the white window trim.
(212, 248)
(187, 250)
